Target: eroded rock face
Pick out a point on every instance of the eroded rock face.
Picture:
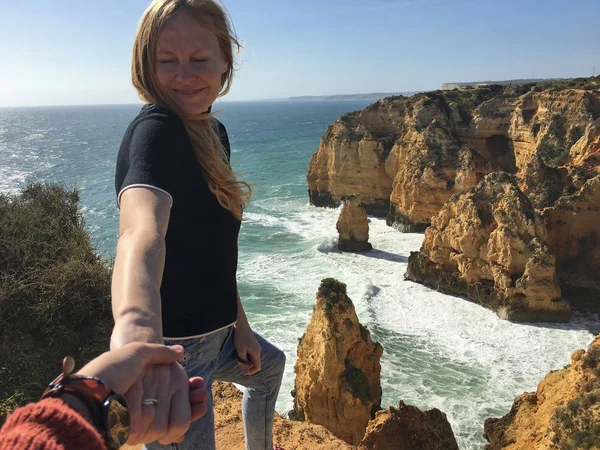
(408, 428)
(338, 371)
(336, 170)
(412, 154)
(488, 243)
(573, 224)
(353, 227)
(564, 412)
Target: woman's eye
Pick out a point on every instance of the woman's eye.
(200, 60)
(166, 61)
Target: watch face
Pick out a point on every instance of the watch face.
(117, 420)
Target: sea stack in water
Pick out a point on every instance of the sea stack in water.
(408, 428)
(353, 226)
(564, 413)
(338, 371)
(488, 244)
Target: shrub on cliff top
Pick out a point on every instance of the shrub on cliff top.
(333, 292)
(54, 291)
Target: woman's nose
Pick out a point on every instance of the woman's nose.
(185, 72)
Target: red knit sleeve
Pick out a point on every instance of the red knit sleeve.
(48, 425)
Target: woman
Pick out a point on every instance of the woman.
(180, 214)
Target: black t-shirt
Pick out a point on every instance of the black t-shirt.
(199, 289)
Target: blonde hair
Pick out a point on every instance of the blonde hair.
(231, 193)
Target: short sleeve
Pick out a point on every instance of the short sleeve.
(222, 131)
(148, 155)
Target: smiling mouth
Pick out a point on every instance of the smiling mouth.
(188, 93)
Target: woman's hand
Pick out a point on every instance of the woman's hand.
(134, 366)
(247, 348)
(121, 368)
(181, 401)
(168, 420)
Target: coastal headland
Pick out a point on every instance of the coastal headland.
(526, 243)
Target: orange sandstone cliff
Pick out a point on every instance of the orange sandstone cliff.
(564, 412)
(407, 157)
(489, 243)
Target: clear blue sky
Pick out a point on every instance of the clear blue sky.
(78, 52)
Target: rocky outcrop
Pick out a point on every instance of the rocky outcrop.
(488, 243)
(408, 428)
(353, 227)
(413, 154)
(564, 412)
(337, 371)
(291, 435)
(573, 224)
(350, 159)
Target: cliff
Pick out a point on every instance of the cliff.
(337, 371)
(229, 427)
(488, 242)
(408, 156)
(564, 412)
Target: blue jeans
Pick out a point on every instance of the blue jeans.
(213, 357)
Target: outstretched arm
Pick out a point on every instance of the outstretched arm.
(139, 264)
(136, 303)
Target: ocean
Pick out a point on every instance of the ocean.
(439, 351)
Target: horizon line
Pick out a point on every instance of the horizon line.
(293, 97)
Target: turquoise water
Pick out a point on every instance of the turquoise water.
(439, 351)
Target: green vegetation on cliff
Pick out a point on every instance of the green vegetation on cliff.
(54, 291)
(333, 293)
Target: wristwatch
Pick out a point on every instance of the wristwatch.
(109, 411)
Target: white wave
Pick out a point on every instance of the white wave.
(440, 351)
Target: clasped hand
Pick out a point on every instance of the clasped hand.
(150, 371)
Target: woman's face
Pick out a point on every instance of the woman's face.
(189, 63)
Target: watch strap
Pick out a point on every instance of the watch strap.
(94, 394)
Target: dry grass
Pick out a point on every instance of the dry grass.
(54, 291)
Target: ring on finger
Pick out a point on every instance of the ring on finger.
(150, 401)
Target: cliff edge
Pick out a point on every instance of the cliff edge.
(564, 412)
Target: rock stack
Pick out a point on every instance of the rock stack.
(338, 384)
(353, 227)
(337, 371)
(408, 428)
